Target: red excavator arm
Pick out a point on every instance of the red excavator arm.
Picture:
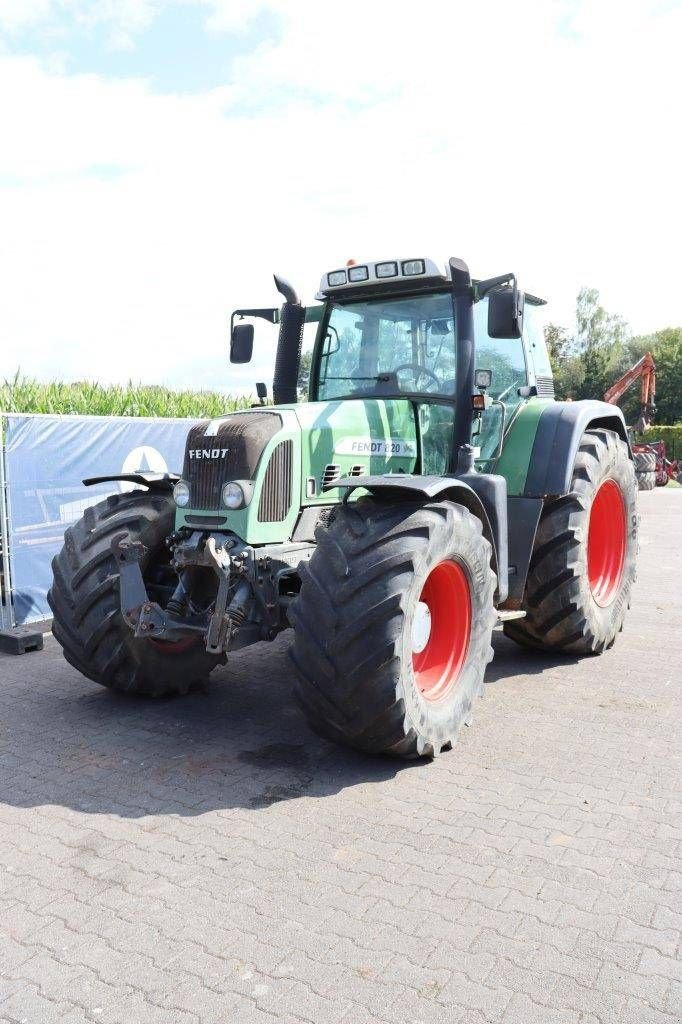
(646, 369)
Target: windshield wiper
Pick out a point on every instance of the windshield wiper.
(503, 394)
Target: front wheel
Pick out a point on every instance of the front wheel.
(584, 556)
(392, 626)
(84, 598)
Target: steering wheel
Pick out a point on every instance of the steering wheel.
(420, 370)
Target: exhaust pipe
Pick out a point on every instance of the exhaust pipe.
(287, 360)
(461, 455)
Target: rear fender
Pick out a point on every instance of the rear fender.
(483, 494)
(557, 440)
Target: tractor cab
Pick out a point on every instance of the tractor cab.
(389, 330)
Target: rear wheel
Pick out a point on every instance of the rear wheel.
(392, 626)
(583, 562)
(645, 462)
(84, 599)
(646, 481)
(645, 470)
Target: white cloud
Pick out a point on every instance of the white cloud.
(123, 18)
(539, 137)
(16, 14)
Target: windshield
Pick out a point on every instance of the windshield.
(387, 346)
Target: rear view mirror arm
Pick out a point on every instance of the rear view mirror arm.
(271, 315)
(481, 288)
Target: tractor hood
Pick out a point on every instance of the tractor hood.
(284, 456)
(353, 438)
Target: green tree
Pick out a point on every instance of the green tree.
(666, 348)
(601, 340)
(595, 327)
(569, 371)
(587, 362)
(304, 375)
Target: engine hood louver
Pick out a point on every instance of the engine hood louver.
(275, 496)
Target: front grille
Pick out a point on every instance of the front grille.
(331, 474)
(230, 452)
(275, 497)
(545, 387)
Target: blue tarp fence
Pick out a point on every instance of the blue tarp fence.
(43, 462)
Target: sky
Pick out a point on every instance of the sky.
(160, 159)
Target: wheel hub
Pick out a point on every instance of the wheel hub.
(421, 627)
(441, 628)
(606, 543)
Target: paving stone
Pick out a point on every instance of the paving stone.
(209, 860)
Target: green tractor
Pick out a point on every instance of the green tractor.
(431, 488)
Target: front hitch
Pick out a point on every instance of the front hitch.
(132, 591)
(147, 619)
(218, 634)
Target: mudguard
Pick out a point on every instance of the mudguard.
(557, 439)
(164, 482)
(484, 494)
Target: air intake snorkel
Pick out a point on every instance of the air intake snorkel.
(292, 319)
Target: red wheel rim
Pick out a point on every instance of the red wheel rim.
(444, 611)
(606, 542)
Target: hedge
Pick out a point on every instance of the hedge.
(672, 435)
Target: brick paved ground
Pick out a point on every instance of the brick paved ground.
(208, 860)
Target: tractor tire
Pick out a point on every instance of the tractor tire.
(84, 599)
(645, 462)
(392, 626)
(584, 556)
(646, 481)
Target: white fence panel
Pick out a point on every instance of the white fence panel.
(44, 461)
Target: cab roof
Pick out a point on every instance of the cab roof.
(391, 275)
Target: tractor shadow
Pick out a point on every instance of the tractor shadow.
(240, 743)
(513, 660)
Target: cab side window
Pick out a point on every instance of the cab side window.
(505, 357)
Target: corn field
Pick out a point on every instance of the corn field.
(22, 394)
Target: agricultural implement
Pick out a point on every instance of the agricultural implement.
(653, 468)
(431, 488)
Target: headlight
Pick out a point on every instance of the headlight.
(233, 495)
(389, 269)
(181, 494)
(336, 278)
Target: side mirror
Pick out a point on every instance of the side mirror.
(241, 343)
(505, 312)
